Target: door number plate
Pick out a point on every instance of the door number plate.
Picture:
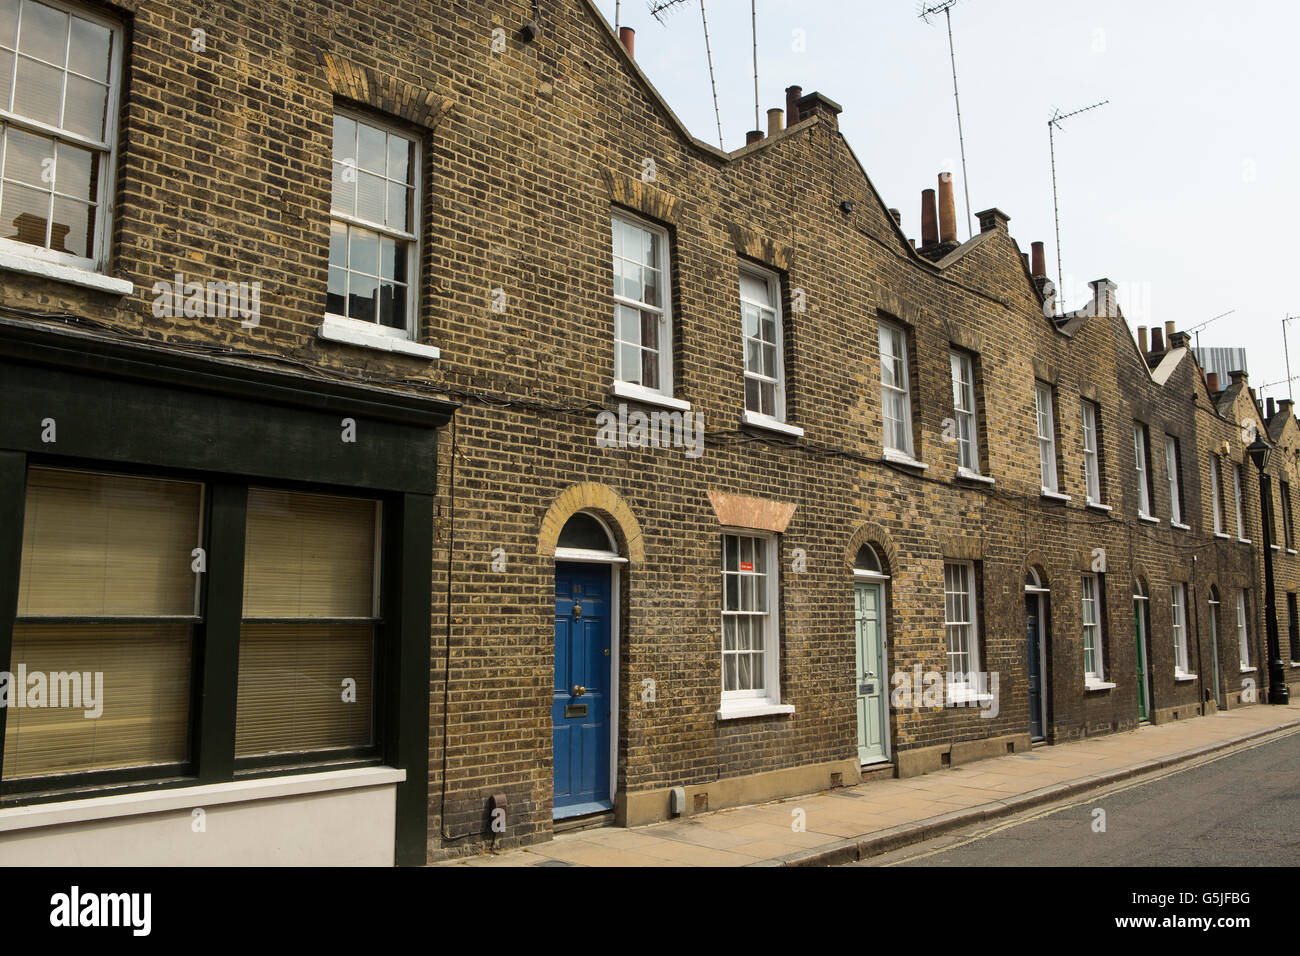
(868, 688)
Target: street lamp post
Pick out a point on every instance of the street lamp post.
(1278, 691)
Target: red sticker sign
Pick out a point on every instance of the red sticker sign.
(747, 565)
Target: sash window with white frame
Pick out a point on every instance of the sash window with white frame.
(895, 394)
(1237, 497)
(1140, 463)
(1091, 469)
(642, 309)
(1288, 527)
(60, 81)
(1243, 637)
(374, 226)
(760, 311)
(963, 406)
(961, 625)
(1178, 610)
(1046, 426)
(1094, 664)
(1216, 494)
(750, 622)
(1172, 468)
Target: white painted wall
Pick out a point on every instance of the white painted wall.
(337, 818)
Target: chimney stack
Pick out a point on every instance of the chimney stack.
(1212, 382)
(1169, 331)
(929, 219)
(753, 136)
(775, 121)
(792, 96)
(1143, 347)
(627, 37)
(1157, 341)
(1271, 407)
(1039, 269)
(897, 216)
(947, 210)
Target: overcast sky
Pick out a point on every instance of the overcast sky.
(1183, 189)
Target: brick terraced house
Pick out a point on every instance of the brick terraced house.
(429, 443)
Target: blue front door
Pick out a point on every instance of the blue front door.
(580, 706)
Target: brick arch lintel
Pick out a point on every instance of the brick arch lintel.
(387, 94)
(873, 534)
(598, 499)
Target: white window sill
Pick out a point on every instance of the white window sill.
(1225, 537)
(1180, 526)
(771, 424)
(904, 459)
(1295, 663)
(758, 709)
(1180, 678)
(1290, 551)
(350, 332)
(1093, 684)
(639, 393)
(1097, 506)
(1053, 495)
(61, 273)
(1149, 519)
(204, 795)
(965, 474)
(1249, 670)
(1273, 547)
(955, 694)
(1243, 541)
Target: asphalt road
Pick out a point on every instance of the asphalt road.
(1242, 809)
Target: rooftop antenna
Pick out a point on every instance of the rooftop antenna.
(1287, 352)
(657, 9)
(945, 7)
(1054, 124)
(1196, 329)
(753, 25)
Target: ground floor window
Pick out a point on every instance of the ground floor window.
(1093, 658)
(961, 623)
(120, 578)
(750, 623)
(99, 676)
(1178, 608)
(1243, 637)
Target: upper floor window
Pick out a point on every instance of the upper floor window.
(1046, 424)
(1236, 494)
(1173, 471)
(760, 310)
(895, 394)
(1216, 494)
(60, 76)
(1288, 526)
(374, 225)
(1143, 475)
(642, 314)
(1091, 460)
(963, 407)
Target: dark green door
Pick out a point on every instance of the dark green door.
(1140, 633)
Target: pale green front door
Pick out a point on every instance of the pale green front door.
(873, 718)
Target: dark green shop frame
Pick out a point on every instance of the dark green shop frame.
(157, 411)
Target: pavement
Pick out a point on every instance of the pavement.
(853, 823)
